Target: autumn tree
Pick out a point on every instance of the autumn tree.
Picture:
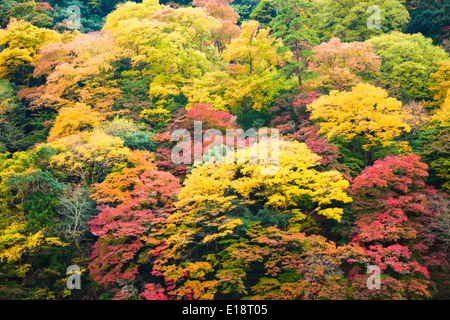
(210, 118)
(366, 112)
(131, 201)
(185, 120)
(308, 133)
(228, 18)
(340, 66)
(350, 21)
(27, 209)
(248, 82)
(71, 120)
(88, 156)
(393, 209)
(20, 43)
(442, 115)
(79, 70)
(439, 85)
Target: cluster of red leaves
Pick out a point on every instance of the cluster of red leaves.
(44, 6)
(299, 103)
(132, 199)
(393, 210)
(209, 118)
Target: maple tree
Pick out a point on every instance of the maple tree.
(33, 12)
(210, 118)
(169, 41)
(442, 115)
(214, 206)
(308, 133)
(439, 85)
(79, 70)
(131, 200)
(185, 120)
(392, 204)
(71, 120)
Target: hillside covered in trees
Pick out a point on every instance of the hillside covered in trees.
(356, 95)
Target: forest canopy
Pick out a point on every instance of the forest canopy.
(219, 149)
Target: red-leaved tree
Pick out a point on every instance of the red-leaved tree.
(132, 200)
(393, 210)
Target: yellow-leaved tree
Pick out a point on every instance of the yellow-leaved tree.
(249, 82)
(87, 156)
(442, 115)
(294, 186)
(26, 189)
(71, 120)
(20, 43)
(365, 112)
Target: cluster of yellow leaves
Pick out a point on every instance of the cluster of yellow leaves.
(227, 227)
(212, 189)
(130, 10)
(439, 85)
(365, 111)
(248, 83)
(14, 243)
(293, 180)
(87, 155)
(169, 46)
(206, 190)
(443, 114)
(155, 116)
(21, 42)
(71, 120)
